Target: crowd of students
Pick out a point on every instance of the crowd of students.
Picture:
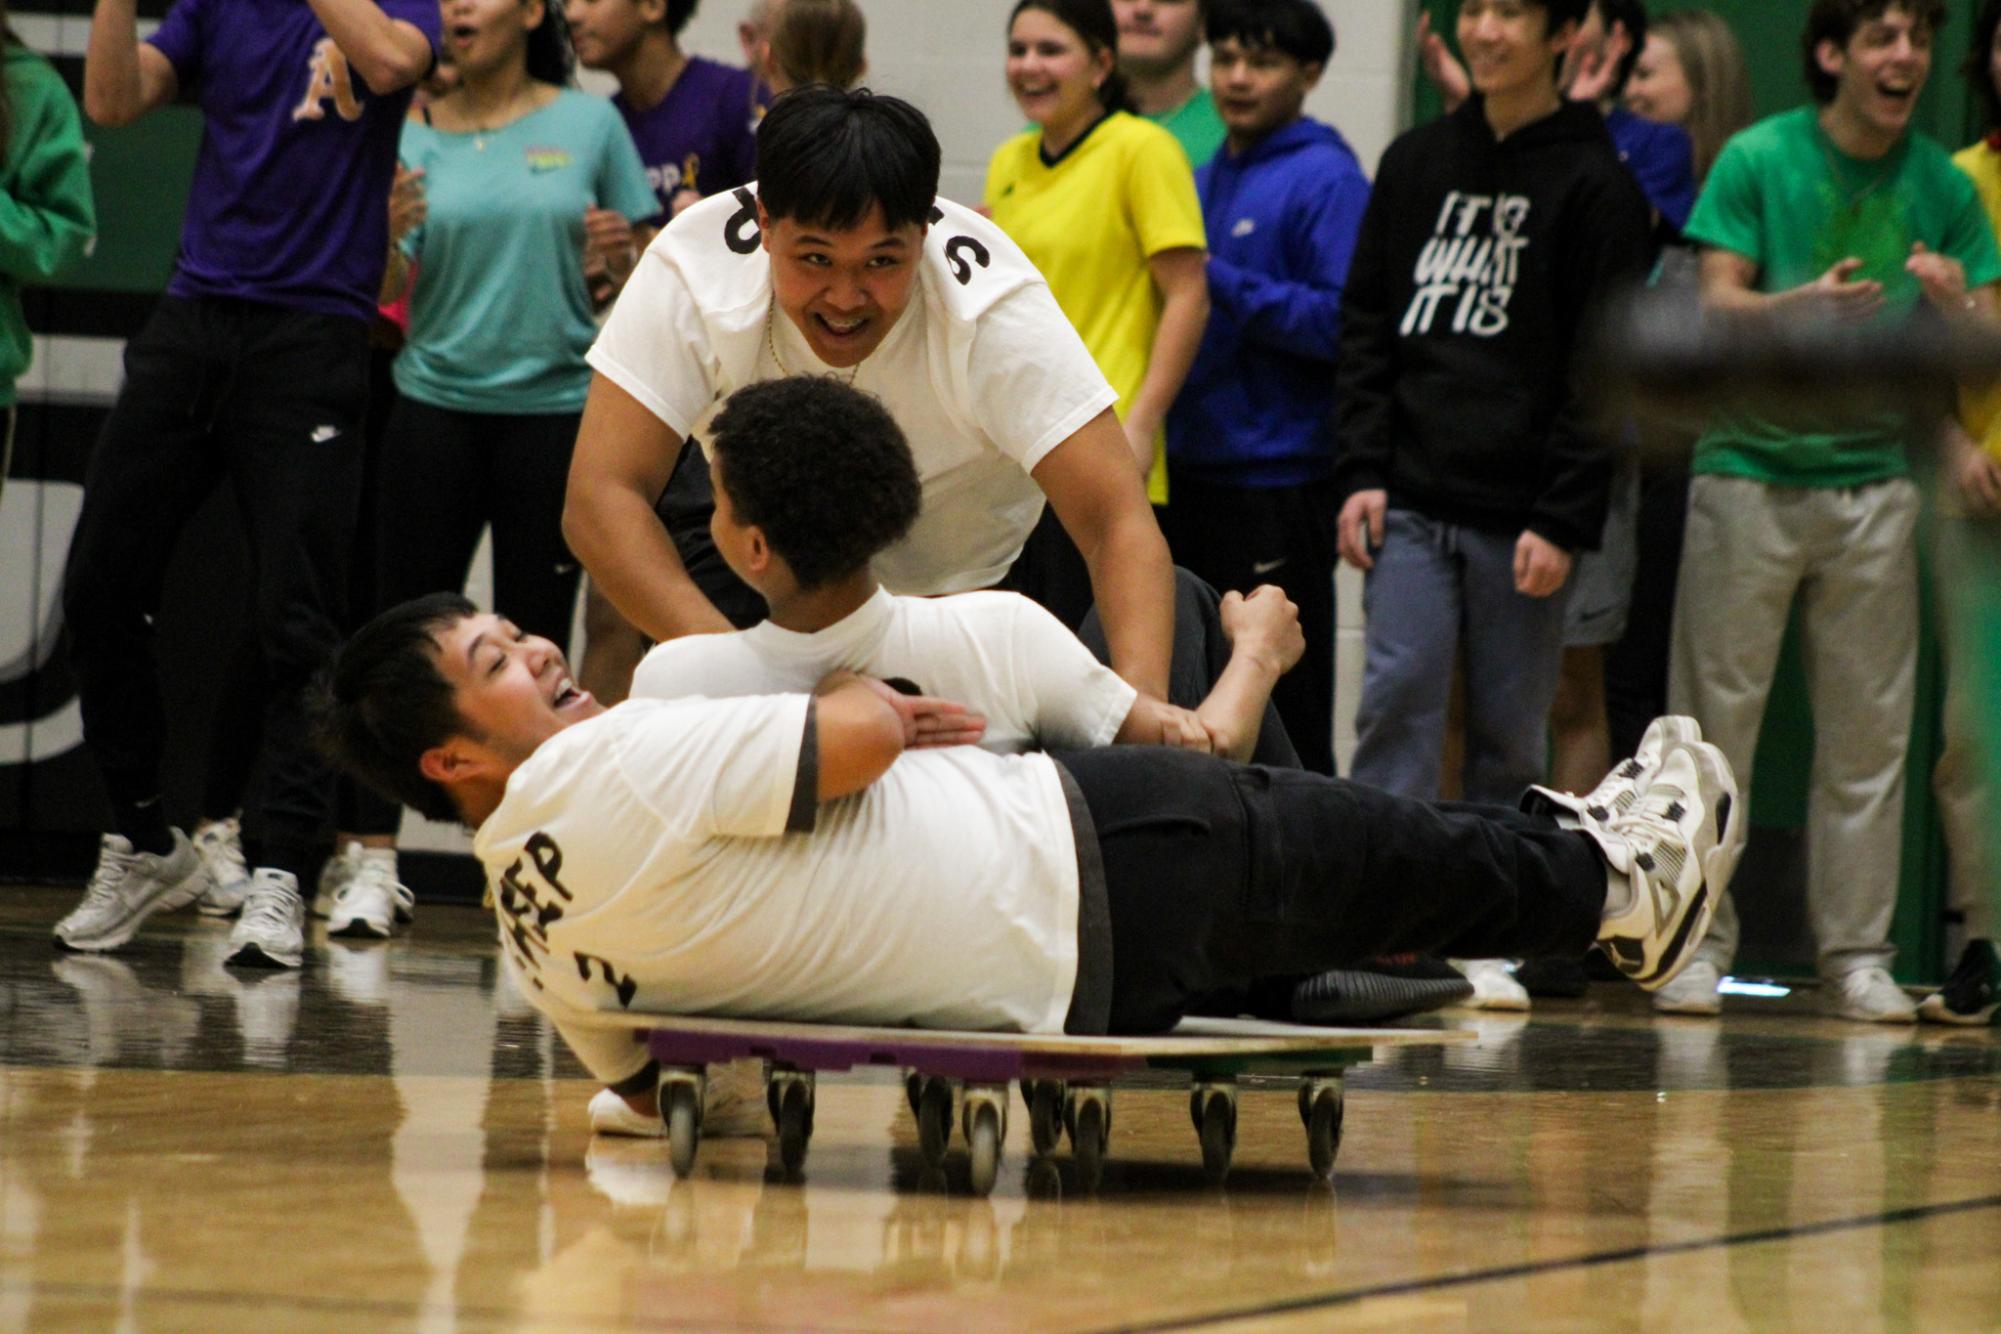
(1184, 327)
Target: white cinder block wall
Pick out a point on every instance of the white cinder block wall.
(945, 56)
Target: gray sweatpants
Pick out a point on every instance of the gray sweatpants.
(1438, 587)
(1850, 556)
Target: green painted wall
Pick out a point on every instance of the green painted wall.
(145, 169)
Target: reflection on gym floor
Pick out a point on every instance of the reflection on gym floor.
(391, 1138)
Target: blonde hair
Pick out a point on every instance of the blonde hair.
(818, 41)
(1718, 82)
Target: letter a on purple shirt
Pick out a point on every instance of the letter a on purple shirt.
(290, 201)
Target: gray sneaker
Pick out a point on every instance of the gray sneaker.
(127, 888)
(271, 932)
(220, 843)
(1677, 846)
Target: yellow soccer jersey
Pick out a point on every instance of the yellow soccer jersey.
(1090, 220)
(1980, 404)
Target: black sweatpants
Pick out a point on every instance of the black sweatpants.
(1237, 537)
(269, 399)
(1219, 875)
(445, 475)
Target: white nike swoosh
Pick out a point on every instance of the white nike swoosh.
(1266, 566)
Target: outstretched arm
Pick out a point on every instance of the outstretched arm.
(123, 78)
(388, 53)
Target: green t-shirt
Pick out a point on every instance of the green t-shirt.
(1783, 196)
(1198, 125)
(500, 317)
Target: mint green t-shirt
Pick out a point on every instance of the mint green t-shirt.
(1197, 125)
(1783, 196)
(500, 317)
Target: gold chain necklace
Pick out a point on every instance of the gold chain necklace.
(771, 342)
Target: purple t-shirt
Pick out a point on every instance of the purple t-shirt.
(702, 136)
(290, 200)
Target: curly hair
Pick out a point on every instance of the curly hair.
(822, 468)
(1836, 21)
(384, 702)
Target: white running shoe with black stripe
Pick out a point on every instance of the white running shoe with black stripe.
(271, 931)
(1671, 854)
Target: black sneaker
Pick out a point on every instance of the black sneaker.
(1972, 995)
(1380, 990)
(1562, 979)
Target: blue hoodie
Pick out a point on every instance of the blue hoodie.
(1282, 220)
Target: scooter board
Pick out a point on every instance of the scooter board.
(1065, 1080)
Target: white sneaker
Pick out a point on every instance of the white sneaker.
(1670, 855)
(1698, 990)
(733, 1107)
(127, 888)
(220, 843)
(1494, 985)
(270, 934)
(370, 901)
(379, 864)
(1619, 790)
(1872, 995)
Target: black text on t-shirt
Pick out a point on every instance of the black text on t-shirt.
(1469, 266)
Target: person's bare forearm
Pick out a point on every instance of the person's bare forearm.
(1233, 713)
(857, 735)
(1132, 581)
(388, 54)
(111, 90)
(614, 532)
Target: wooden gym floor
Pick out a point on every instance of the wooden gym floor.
(382, 1142)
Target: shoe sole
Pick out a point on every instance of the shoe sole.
(254, 955)
(359, 928)
(1371, 998)
(174, 899)
(1942, 1013)
(1719, 865)
(1705, 1009)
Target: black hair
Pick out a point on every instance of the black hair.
(825, 156)
(384, 702)
(678, 14)
(1093, 21)
(1559, 12)
(551, 58)
(1979, 66)
(1296, 28)
(1836, 21)
(822, 468)
(1633, 14)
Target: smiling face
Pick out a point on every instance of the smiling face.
(1053, 72)
(483, 36)
(1258, 88)
(1509, 48)
(1879, 73)
(844, 290)
(1157, 36)
(513, 691)
(607, 32)
(1659, 87)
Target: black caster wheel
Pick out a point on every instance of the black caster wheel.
(795, 1123)
(913, 1090)
(1323, 1112)
(934, 1121)
(1217, 1125)
(1090, 1122)
(1045, 1116)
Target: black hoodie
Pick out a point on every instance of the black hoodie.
(1479, 265)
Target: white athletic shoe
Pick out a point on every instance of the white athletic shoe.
(127, 888)
(271, 933)
(220, 843)
(1670, 854)
(370, 900)
(1871, 995)
(384, 902)
(1618, 790)
(1698, 990)
(1494, 985)
(732, 1108)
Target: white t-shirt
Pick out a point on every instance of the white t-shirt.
(640, 863)
(998, 653)
(982, 371)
